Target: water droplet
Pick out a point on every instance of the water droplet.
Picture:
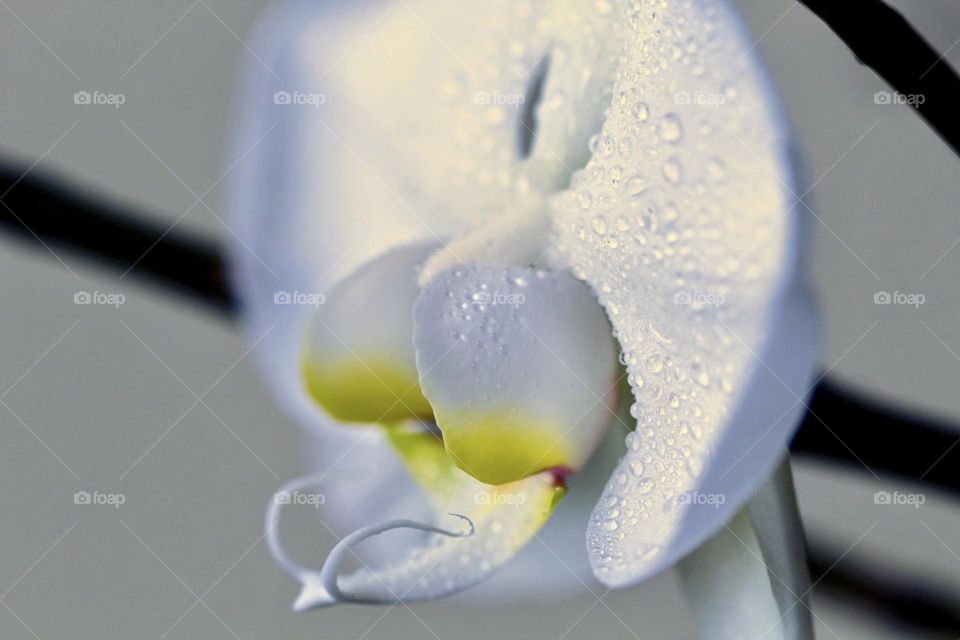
(671, 128)
(696, 431)
(606, 146)
(655, 364)
(599, 225)
(636, 186)
(585, 199)
(673, 171)
(641, 111)
(700, 374)
(717, 169)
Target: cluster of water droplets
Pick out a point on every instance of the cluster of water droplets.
(483, 308)
(473, 105)
(677, 223)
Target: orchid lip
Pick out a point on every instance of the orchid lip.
(321, 588)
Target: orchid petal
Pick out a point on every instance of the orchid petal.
(291, 173)
(359, 360)
(750, 579)
(683, 222)
(519, 367)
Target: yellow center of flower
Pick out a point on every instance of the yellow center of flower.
(429, 465)
(365, 388)
(502, 445)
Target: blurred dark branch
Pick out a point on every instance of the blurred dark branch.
(47, 214)
(883, 40)
(898, 599)
(845, 427)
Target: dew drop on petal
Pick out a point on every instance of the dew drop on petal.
(671, 128)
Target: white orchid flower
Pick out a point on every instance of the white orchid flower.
(481, 194)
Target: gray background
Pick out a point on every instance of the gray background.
(92, 393)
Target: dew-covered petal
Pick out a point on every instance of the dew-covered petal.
(750, 579)
(519, 367)
(501, 521)
(576, 76)
(358, 361)
(684, 223)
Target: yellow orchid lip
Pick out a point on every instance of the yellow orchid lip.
(426, 455)
(374, 389)
(502, 445)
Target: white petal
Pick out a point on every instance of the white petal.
(519, 367)
(683, 222)
(304, 211)
(358, 361)
(445, 86)
(750, 579)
